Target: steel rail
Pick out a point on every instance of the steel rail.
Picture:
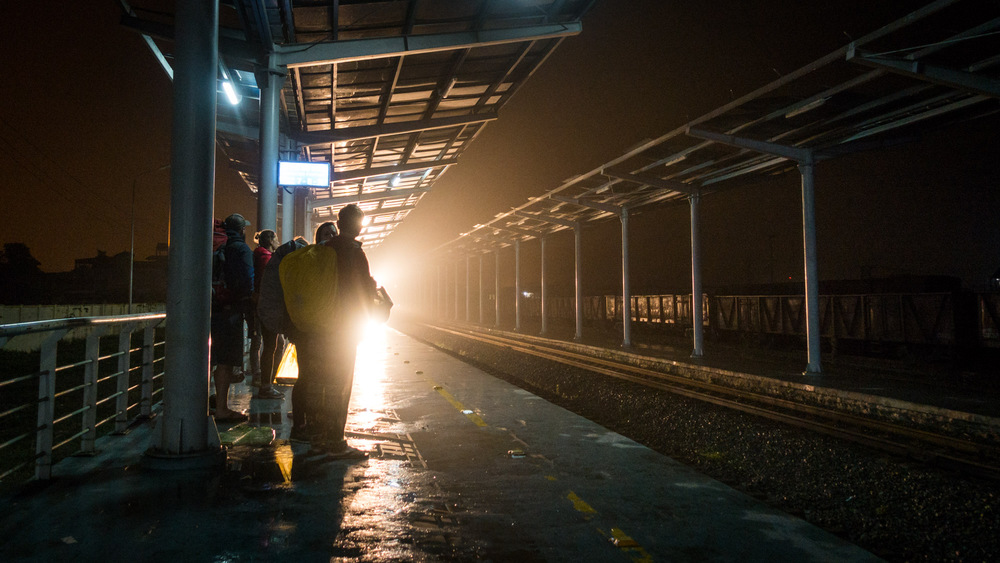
(960, 454)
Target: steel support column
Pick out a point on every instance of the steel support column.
(186, 435)
(439, 297)
(267, 187)
(287, 214)
(807, 169)
(517, 285)
(304, 228)
(468, 289)
(455, 316)
(496, 290)
(578, 281)
(626, 293)
(480, 289)
(698, 328)
(545, 293)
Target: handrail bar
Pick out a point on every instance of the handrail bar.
(54, 400)
(18, 329)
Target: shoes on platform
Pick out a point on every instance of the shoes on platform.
(300, 436)
(269, 393)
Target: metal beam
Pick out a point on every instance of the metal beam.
(389, 170)
(548, 219)
(229, 46)
(616, 209)
(652, 181)
(376, 196)
(943, 76)
(792, 153)
(517, 231)
(388, 211)
(312, 54)
(311, 138)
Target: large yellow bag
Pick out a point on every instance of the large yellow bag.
(309, 280)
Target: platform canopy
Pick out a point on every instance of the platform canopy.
(935, 67)
(389, 92)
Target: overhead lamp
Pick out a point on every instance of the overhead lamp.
(394, 181)
(227, 85)
(230, 91)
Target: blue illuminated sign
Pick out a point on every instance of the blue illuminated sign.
(292, 173)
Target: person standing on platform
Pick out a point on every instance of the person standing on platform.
(300, 390)
(325, 232)
(230, 308)
(263, 341)
(326, 360)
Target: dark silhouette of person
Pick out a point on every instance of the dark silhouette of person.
(263, 341)
(228, 315)
(326, 360)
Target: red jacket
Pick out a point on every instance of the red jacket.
(261, 256)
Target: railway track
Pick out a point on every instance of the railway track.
(925, 446)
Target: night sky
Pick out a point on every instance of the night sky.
(87, 112)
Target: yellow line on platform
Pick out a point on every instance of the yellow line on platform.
(461, 408)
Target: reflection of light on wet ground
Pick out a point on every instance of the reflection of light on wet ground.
(283, 456)
(368, 401)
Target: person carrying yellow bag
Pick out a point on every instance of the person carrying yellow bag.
(309, 281)
(328, 292)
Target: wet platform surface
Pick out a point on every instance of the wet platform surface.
(463, 467)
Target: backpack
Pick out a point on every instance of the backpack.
(271, 300)
(309, 281)
(220, 240)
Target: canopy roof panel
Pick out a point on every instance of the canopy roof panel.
(932, 68)
(389, 92)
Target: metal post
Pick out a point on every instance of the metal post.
(131, 249)
(148, 341)
(496, 290)
(46, 404)
(696, 297)
(124, 371)
(267, 188)
(626, 295)
(455, 315)
(304, 228)
(186, 432)
(578, 280)
(480, 289)
(517, 285)
(468, 289)
(807, 169)
(287, 214)
(545, 293)
(89, 423)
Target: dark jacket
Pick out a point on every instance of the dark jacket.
(355, 286)
(238, 269)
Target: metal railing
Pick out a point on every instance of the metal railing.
(76, 383)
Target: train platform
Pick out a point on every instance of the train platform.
(462, 467)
